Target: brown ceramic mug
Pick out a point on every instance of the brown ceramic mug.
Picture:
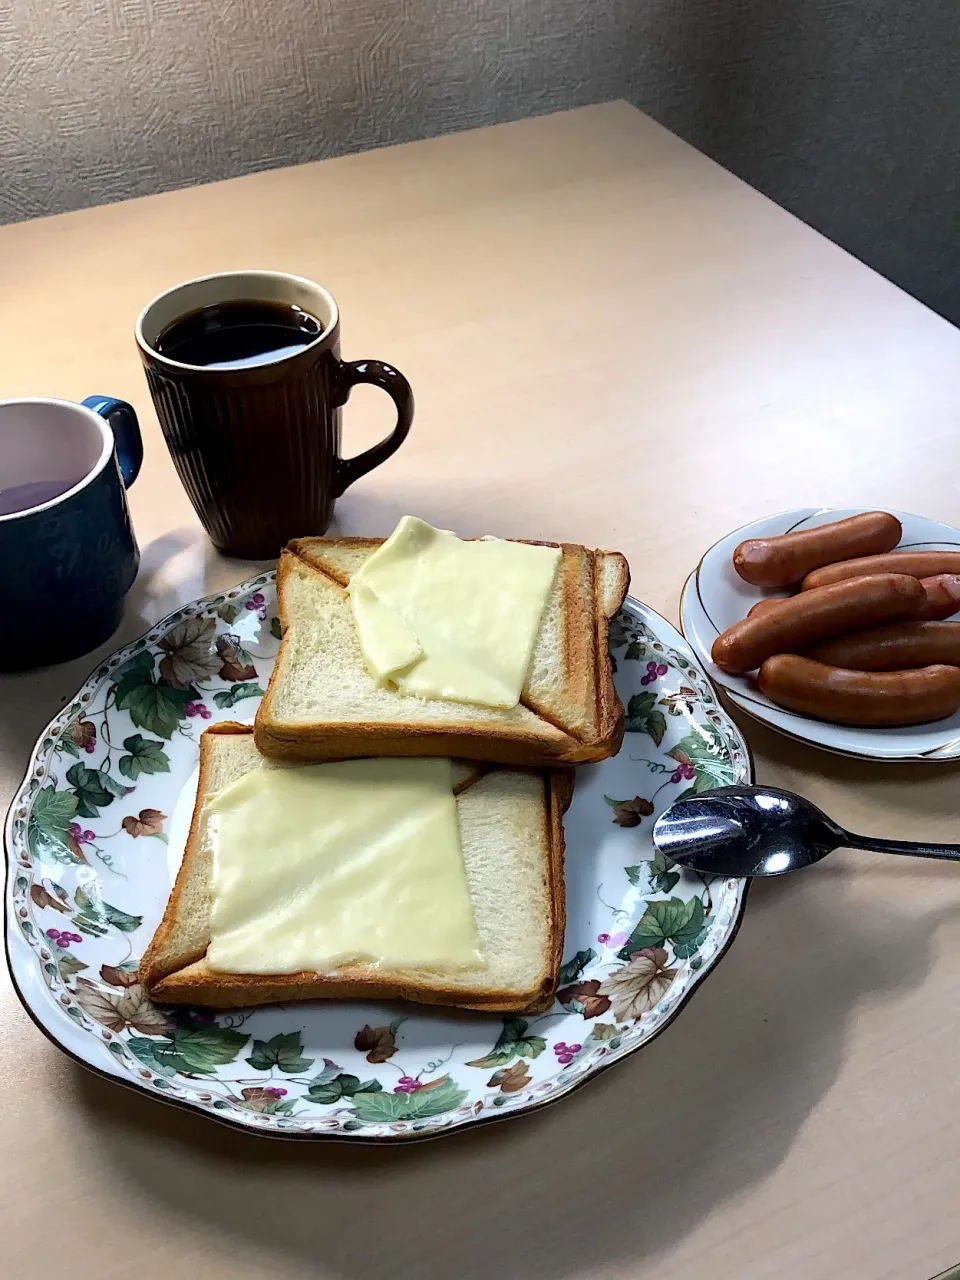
(257, 444)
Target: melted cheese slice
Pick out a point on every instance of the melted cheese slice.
(441, 618)
(323, 865)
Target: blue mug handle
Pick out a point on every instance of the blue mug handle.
(121, 418)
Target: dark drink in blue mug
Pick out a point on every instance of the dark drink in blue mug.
(68, 555)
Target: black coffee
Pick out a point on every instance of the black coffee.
(230, 335)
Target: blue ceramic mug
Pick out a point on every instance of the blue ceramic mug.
(67, 551)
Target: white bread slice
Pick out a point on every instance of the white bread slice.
(511, 829)
(322, 703)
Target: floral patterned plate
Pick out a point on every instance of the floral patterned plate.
(94, 836)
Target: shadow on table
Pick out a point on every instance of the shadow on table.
(868, 796)
(32, 698)
(177, 567)
(620, 1170)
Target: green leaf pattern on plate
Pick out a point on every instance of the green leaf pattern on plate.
(642, 717)
(283, 1051)
(230, 697)
(144, 755)
(513, 1042)
(342, 1085)
(127, 733)
(704, 748)
(89, 790)
(95, 917)
(153, 705)
(49, 821)
(677, 921)
(199, 1050)
(573, 968)
(429, 1100)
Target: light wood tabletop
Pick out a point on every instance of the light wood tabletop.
(611, 341)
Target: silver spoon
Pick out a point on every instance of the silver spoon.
(763, 831)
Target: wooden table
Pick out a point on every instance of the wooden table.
(613, 341)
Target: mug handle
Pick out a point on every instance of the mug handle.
(398, 389)
(121, 418)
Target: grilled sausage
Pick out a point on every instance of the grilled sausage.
(898, 646)
(808, 618)
(942, 592)
(786, 558)
(943, 597)
(764, 606)
(919, 564)
(868, 699)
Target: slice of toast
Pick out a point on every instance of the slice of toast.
(511, 831)
(323, 704)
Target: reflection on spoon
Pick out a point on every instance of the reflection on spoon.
(763, 831)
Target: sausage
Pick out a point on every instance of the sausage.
(806, 619)
(943, 597)
(894, 647)
(919, 564)
(942, 592)
(764, 606)
(783, 560)
(868, 699)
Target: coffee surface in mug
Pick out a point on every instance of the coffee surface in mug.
(237, 334)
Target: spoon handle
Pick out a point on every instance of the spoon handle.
(949, 852)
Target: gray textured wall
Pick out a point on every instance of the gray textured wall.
(845, 111)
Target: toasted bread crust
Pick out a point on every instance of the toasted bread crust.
(198, 984)
(162, 956)
(178, 976)
(595, 727)
(577, 576)
(612, 584)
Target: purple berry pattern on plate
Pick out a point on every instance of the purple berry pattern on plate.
(94, 838)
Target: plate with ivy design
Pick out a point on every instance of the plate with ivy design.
(94, 836)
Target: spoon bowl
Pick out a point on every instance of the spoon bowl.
(763, 831)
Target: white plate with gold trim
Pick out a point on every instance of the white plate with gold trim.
(715, 596)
